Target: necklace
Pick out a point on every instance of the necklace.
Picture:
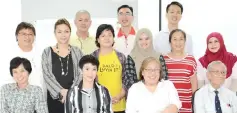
(69, 50)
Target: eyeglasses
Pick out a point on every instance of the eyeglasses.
(25, 34)
(152, 70)
(125, 14)
(219, 73)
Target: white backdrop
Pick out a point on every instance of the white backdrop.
(200, 17)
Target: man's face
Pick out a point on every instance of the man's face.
(174, 14)
(217, 74)
(125, 17)
(82, 22)
(25, 37)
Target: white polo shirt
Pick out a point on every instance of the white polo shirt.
(34, 56)
(161, 42)
(202, 76)
(124, 44)
(141, 100)
(204, 101)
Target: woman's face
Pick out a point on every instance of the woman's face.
(106, 39)
(177, 41)
(144, 41)
(151, 73)
(62, 34)
(20, 74)
(213, 44)
(89, 72)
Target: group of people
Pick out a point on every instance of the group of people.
(120, 71)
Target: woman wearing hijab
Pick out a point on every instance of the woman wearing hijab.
(142, 49)
(216, 50)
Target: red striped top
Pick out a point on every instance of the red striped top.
(179, 72)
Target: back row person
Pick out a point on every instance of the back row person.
(174, 12)
(124, 37)
(25, 35)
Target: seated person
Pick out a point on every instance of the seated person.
(21, 97)
(152, 94)
(214, 97)
(88, 96)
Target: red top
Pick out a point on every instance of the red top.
(179, 72)
(120, 33)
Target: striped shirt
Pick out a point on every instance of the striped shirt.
(78, 102)
(179, 72)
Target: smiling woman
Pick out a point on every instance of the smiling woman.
(216, 50)
(153, 89)
(21, 96)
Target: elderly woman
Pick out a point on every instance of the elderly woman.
(181, 69)
(90, 96)
(21, 97)
(152, 94)
(60, 67)
(142, 49)
(216, 50)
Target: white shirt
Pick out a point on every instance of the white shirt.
(124, 45)
(201, 74)
(161, 42)
(141, 100)
(204, 101)
(34, 56)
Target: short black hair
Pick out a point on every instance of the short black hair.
(99, 31)
(17, 61)
(24, 25)
(174, 3)
(174, 31)
(125, 6)
(89, 59)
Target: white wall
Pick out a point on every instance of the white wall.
(10, 11)
(33, 10)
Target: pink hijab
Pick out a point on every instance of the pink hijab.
(227, 58)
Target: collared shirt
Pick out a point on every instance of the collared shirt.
(204, 101)
(201, 75)
(162, 45)
(28, 100)
(141, 100)
(123, 43)
(89, 101)
(86, 45)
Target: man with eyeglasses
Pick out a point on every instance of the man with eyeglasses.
(126, 34)
(82, 39)
(25, 37)
(213, 97)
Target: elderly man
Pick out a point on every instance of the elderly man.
(82, 38)
(213, 97)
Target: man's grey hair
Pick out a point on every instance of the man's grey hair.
(213, 63)
(81, 12)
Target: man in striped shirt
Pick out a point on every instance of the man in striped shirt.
(88, 96)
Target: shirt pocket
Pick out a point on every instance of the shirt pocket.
(226, 107)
